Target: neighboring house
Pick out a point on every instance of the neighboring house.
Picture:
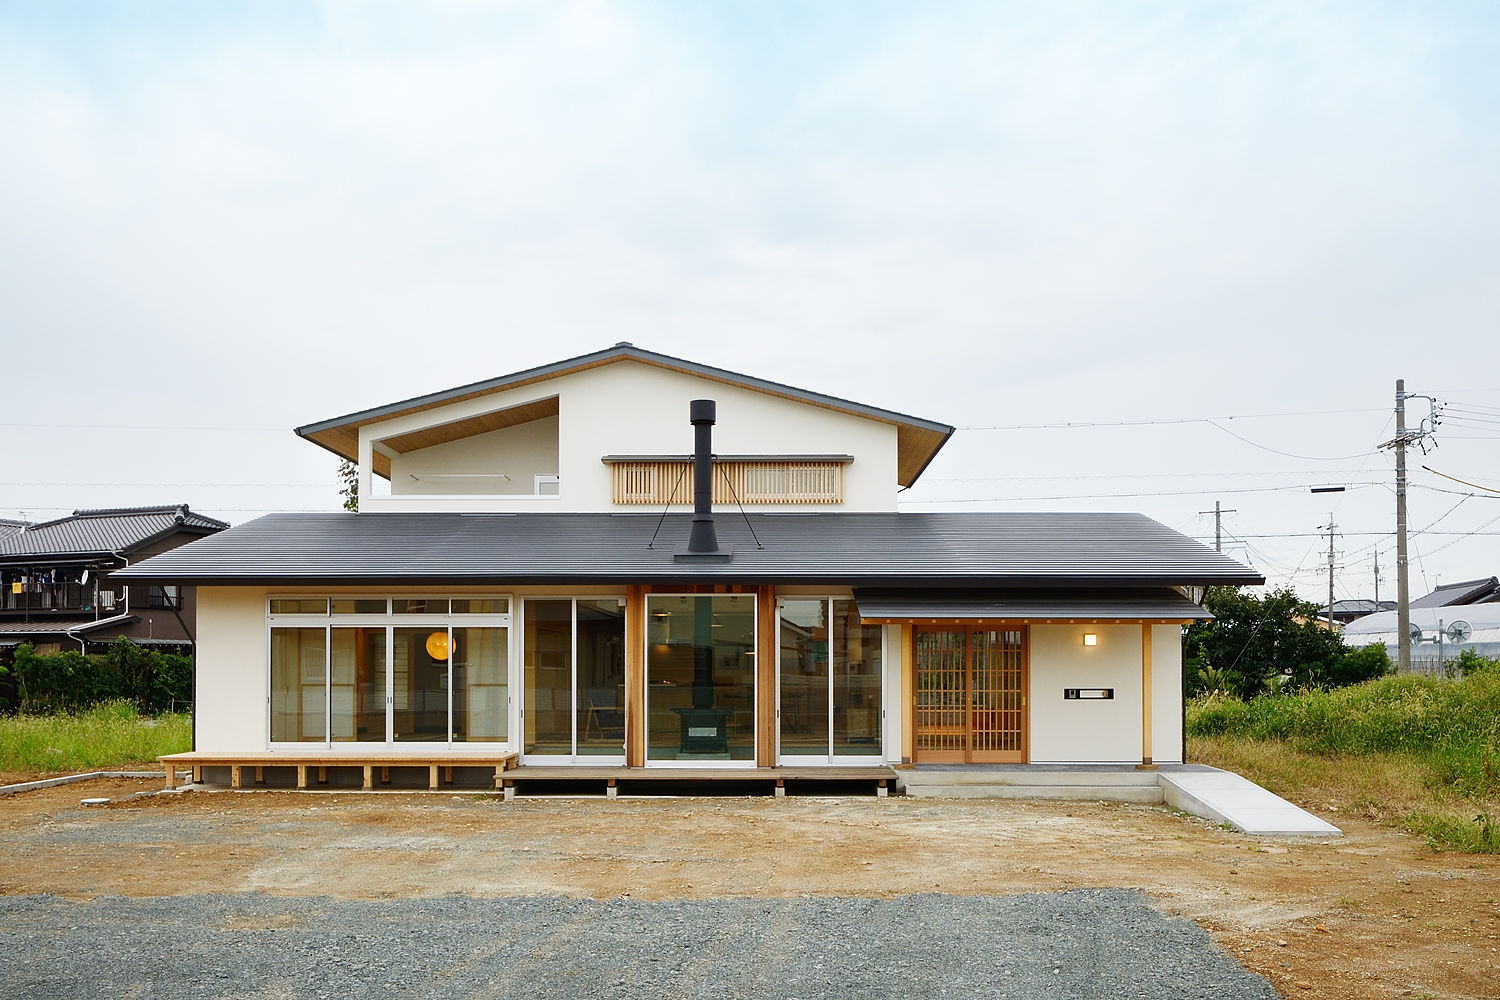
(1349, 610)
(1486, 591)
(523, 587)
(57, 585)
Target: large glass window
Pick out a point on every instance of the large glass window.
(343, 669)
(700, 678)
(830, 680)
(299, 670)
(357, 684)
(574, 655)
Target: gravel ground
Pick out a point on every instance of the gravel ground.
(1077, 944)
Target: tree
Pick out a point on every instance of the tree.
(1252, 642)
(349, 484)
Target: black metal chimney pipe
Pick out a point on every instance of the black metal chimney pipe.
(703, 413)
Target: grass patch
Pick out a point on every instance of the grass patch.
(1418, 751)
(106, 737)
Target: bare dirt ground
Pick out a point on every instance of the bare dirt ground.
(1371, 914)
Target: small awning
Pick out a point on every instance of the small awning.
(1102, 605)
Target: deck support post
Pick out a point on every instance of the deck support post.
(369, 777)
(510, 791)
(432, 777)
(171, 776)
(610, 789)
(881, 789)
(301, 775)
(234, 776)
(781, 788)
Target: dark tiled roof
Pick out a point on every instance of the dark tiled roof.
(1120, 603)
(101, 532)
(873, 549)
(1466, 592)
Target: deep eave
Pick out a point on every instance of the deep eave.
(865, 550)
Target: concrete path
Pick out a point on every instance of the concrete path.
(1225, 797)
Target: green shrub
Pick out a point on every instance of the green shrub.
(1469, 662)
(69, 680)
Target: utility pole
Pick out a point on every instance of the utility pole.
(1377, 580)
(1219, 524)
(1403, 596)
(1400, 442)
(1330, 570)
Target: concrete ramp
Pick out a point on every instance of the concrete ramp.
(1220, 796)
(1225, 797)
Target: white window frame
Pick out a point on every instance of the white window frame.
(327, 621)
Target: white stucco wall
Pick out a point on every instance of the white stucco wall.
(521, 452)
(1085, 731)
(230, 704)
(631, 408)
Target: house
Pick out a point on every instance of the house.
(1349, 610)
(1485, 591)
(627, 561)
(58, 584)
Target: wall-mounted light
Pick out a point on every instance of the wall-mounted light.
(1090, 639)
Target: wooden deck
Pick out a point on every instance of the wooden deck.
(510, 778)
(702, 779)
(434, 762)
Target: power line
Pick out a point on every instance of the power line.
(1069, 425)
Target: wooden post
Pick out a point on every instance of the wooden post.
(1145, 764)
(234, 776)
(908, 692)
(765, 676)
(171, 775)
(635, 676)
(301, 775)
(432, 779)
(369, 777)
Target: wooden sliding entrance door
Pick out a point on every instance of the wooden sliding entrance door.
(970, 696)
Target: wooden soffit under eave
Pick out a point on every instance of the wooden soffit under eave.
(344, 441)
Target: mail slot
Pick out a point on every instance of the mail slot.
(1088, 694)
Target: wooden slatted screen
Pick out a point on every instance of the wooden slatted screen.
(970, 687)
(746, 482)
(997, 724)
(941, 723)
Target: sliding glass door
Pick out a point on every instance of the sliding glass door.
(573, 651)
(829, 673)
(700, 678)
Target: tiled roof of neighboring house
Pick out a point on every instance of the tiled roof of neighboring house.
(872, 549)
(917, 440)
(8, 528)
(102, 532)
(1465, 592)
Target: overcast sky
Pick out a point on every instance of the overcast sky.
(220, 221)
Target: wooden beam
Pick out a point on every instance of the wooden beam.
(635, 677)
(765, 676)
(1146, 764)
